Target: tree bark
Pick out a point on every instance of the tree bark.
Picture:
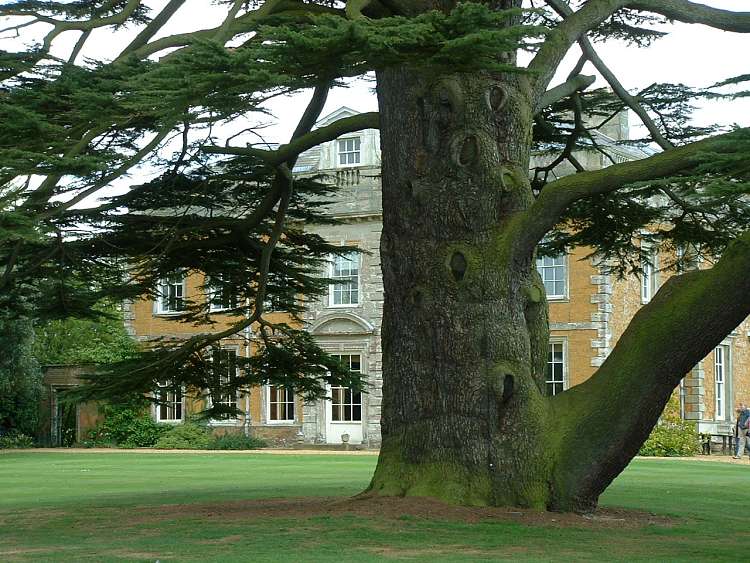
(465, 323)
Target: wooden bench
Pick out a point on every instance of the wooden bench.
(727, 443)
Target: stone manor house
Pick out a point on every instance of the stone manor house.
(589, 310)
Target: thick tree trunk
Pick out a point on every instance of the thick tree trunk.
(465, 324)
(465, 331)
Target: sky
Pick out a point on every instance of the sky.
(691, 54)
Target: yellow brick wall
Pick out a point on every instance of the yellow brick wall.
(577, 308)
(148, 325)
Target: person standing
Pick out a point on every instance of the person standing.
(741, 439)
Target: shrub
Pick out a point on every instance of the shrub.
(15, 440)
(672, 436)
(236, 441)
(127, 425)
(186, 436)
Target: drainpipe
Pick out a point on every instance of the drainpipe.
(248, 420)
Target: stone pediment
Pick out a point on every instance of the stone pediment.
(341, 324)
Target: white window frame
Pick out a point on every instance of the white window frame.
(158, 406)
(232, 421)
(352, 257)
(542, 269)
(649, 274)
(353, 154)
(212, 293)
(293, 402)
(352, 403)
(683, 398)
(162, 300)
(562, 342)
(722, 374)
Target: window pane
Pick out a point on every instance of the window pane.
(555, 375)
(552, 271)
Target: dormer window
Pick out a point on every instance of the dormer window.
(349, 151)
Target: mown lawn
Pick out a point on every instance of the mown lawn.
(203, 507)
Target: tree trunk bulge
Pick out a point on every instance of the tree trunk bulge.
(465, 330)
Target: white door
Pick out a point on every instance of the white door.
(344, 410)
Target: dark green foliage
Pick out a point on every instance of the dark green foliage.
(20, 376)
(15, 440)
(632, 27)
(185, 436)
(76, 9)
(126, 424)
(236, 441)
(471, 37)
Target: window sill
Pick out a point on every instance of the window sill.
(169, 313)
(282, 423)
(231, 422)
(345, 422)
(178, 421)
(346, 306)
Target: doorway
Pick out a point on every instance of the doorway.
(344, 409)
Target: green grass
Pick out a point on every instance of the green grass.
(132, 506)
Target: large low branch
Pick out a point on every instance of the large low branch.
(556, 196)
(610, 415)
(306, 141)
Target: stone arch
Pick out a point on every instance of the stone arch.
(341, 323)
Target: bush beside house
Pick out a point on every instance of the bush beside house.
(127, 425)
(672, 436)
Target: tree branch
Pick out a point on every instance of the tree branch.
(547, 210)
(61, 26)
(560, 39)
(691, 12)
(153, 27)
(564, 10)
(307, 141)
(243, 24)
(696, 309)
(574, 84)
